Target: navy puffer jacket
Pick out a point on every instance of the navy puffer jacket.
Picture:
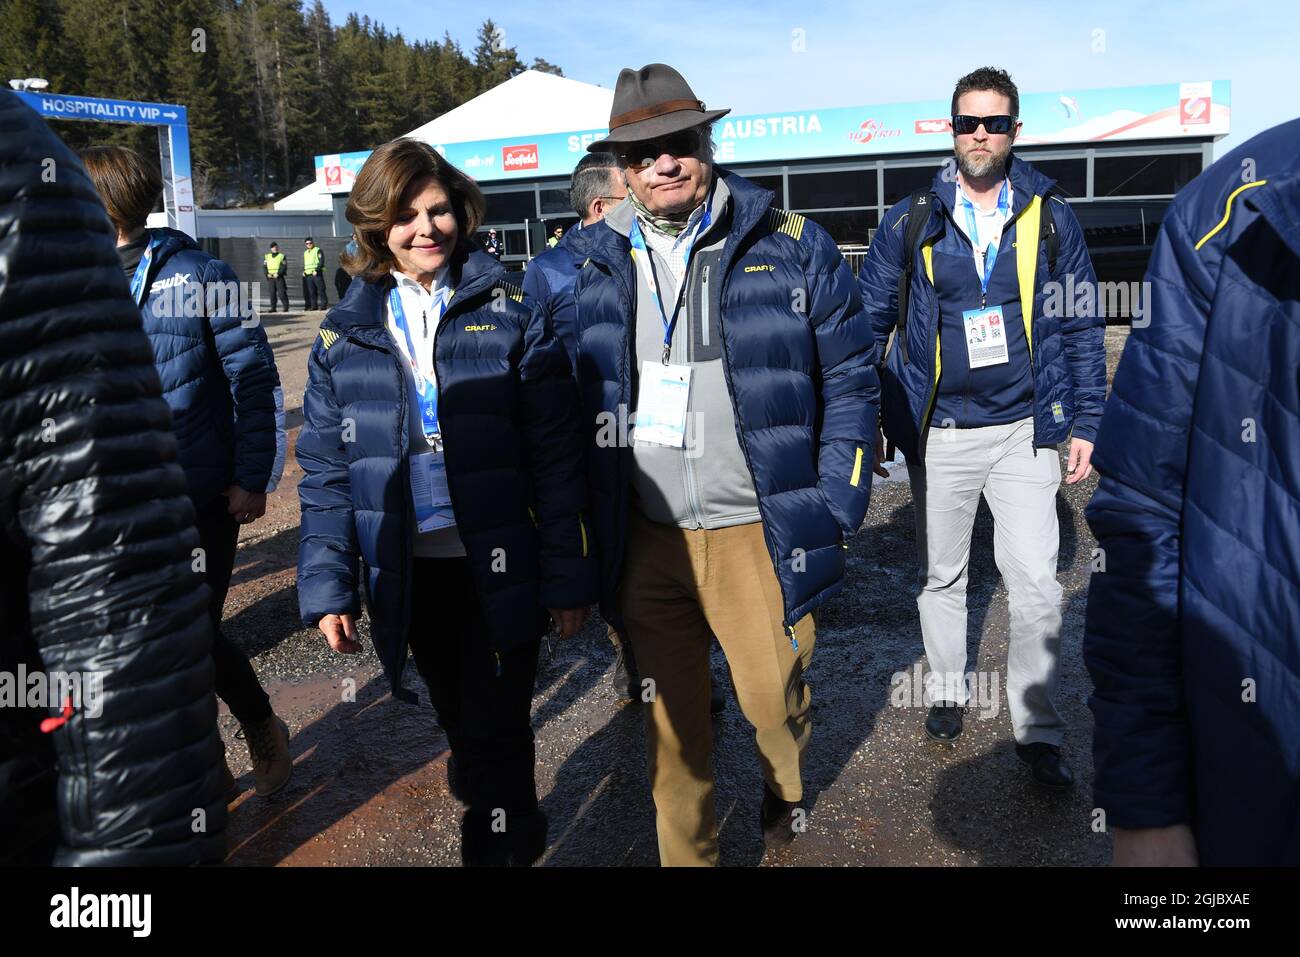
(1067, 354)
(1193, 629)
(800, 361)
(218, 374)
(508, 414)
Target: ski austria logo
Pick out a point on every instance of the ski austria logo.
(872, 130)
(74, 910)
(519, 157)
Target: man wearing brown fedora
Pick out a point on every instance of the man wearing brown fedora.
(727, 334)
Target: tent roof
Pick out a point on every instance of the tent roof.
(532, 102)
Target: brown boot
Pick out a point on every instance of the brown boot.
(268, 748)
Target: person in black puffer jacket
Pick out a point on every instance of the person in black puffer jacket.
(96, 536)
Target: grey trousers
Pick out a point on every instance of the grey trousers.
(1020, 484)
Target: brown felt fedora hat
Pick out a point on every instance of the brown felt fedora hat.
(652, 102)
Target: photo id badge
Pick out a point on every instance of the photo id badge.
(986, 336)
(661, 404)
(430, 493)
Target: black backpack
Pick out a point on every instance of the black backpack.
(923, 199)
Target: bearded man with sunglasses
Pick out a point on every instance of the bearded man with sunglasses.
(729, 334)
(986, 374)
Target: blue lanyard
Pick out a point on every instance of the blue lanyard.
(425, 388)
(991, 253)
(138, 288)
(638, 246)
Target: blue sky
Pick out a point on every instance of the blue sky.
(870, 52)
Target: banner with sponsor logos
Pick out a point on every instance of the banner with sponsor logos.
(1162, 111)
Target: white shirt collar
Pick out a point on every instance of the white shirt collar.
(408, 284)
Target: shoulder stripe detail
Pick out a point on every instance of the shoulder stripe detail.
(1227, 210)
(511, 290)
(784, 221)
(328, 336)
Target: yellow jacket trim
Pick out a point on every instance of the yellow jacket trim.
(1227, 211)
(1027, 227)
(857, 468)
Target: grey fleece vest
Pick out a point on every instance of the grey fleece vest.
(707, 484)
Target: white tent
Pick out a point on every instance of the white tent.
(529, 103)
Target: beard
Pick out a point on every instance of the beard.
(980, 167)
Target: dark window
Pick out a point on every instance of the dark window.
(901, 180)
(846, 226)
(855, 187)
(1158, 175)
(1071, 175)
(512, 240)
(511, 207)
(1119, 225)
(769, 182)
(556, 201)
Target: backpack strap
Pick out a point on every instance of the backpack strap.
(918, 217)
(1047, 234)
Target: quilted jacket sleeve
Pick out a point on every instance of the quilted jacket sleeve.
(328, 556)
(1131, 646)
(550, 422)
(850, 383)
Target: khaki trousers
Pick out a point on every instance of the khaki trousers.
(680, 589)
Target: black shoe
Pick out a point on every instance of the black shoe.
(1048, 768)
(455, 783)
(528, 841)
(776, 818)
(944, 721)
(627, 685)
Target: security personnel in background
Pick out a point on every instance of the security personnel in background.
(273, 267)
(556, 236)
(493, 244)
(313, 276)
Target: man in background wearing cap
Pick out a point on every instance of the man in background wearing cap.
(728, 334)
(273, 268)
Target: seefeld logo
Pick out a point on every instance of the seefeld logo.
(519, 157)
(871, 130)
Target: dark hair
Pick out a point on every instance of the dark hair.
(988, 78)
(591, 179)
(129, 185)
(377, 194)
(274, 246)
(309, 240)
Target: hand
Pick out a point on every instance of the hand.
(1080, 462)
(568, 621)
(1173, 846)
(341, 632)
(880, 456)
(246, 506)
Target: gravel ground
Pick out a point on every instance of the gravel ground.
(369, 784)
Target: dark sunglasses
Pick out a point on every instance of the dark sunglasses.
(637, 156)
(992, 124)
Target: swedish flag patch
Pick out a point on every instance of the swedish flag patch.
(328, 336)
(784, 221)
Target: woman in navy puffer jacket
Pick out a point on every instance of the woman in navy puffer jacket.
(442, 454)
